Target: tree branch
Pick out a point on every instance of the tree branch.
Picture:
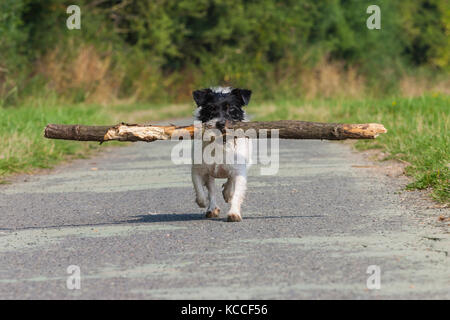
(288, 129)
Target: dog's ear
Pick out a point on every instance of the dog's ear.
(243, 94)
(201, 96)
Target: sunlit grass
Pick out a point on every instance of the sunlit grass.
(24, 148)
(418, 131)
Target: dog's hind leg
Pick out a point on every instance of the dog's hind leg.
(228, 190)
(213, 210)
(200, 196)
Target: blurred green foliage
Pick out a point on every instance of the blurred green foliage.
(164, 48)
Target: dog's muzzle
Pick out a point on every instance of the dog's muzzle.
(221, 125)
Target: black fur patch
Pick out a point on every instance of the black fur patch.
(221, 106)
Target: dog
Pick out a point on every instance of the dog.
(216, 107)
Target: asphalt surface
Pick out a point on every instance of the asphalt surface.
(127, 218)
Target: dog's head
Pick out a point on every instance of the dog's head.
(218, 105)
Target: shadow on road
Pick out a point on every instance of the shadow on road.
(165, 217)
(159, 217)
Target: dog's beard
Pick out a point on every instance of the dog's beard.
(212, 123)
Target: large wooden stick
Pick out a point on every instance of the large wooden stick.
(288, 129)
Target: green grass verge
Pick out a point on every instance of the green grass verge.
(418, 131)
(24, 148)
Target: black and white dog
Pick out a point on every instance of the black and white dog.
(216, 107)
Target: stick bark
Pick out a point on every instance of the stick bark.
(288, 129)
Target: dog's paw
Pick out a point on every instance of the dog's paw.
(213, 213)
(201, 202)
(234, 217)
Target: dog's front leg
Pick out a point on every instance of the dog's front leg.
(240, 186)
(198, 182)
(213, 210)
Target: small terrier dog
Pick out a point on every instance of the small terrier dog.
(215, 107)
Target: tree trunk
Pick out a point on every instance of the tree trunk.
(287, 129)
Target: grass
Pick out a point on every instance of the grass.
(23, 147)
(418, 131)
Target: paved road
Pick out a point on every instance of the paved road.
(128, 219)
